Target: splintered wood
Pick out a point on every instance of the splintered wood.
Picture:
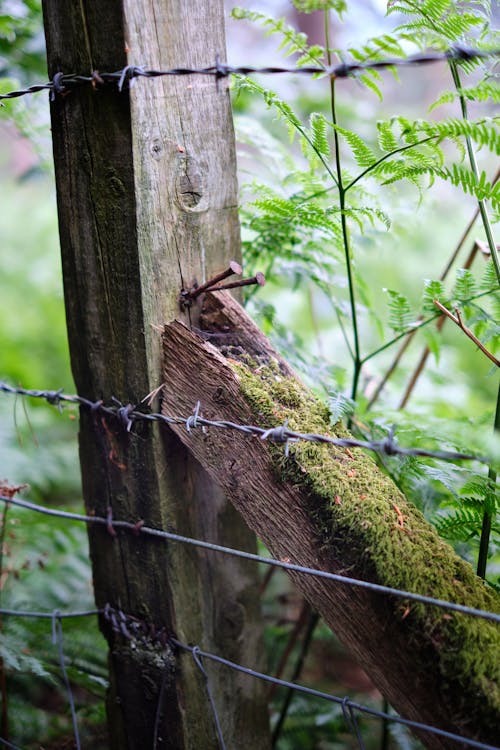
(325, 508)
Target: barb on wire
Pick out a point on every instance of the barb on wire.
(138, 528)
(346, 703)
(63, 83)
(129, 414)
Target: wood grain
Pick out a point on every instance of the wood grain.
(417, 656)
(146, 193)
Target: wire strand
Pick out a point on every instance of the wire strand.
(139, 528)
(64, 82)
(129, 414)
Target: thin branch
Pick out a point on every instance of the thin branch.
(474, 168)
(419, 368)
(457, 319)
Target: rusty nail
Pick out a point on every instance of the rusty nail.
(234, 268)
(259, 279)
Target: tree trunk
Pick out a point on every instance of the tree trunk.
(333, 509)
(147, 197)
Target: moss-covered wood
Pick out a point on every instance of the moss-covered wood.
(334, 509)
(146, 191)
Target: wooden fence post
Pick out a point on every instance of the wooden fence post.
(147, 202)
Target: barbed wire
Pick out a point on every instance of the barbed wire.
(129, 414)
(63, 83)
(140, 528)
(133, 628)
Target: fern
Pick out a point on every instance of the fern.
(465, 285)
(484, 132)
(433, 289)
(488, 90)
(341, 407)
(481, 189)
(401, 317)
(292, 42)
(435, 22)
(309, 6)
(386, 138)
(461, 524)
(319, 138)
(363, 155)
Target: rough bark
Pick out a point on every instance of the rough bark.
(333, 509)
(146, 192)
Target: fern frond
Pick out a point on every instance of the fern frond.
(386, 138)
(461, 524)
(292, 41)
(435, 21)
(489, 280)
(401, 317)
(363, 154)
(481, 188)
(465, 285)
(319, 136)
(340, 406)
(433, 289)
(488, 90)
(309, 6)
(484, 132)
(357, 214)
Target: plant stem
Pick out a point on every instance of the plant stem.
(345, 234)
(311, 627)
(473, 165)
(420, 324)
(487, 516)
(484, 541)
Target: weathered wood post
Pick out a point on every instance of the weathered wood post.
(146, 193)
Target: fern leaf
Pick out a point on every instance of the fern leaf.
(319, 136)
(484, 91)
(363, 155)
(460, 524)
(489, 281)
(465, 285)
(341, 406)
(433, 289)
(401, 317)
(309, 6)
(386, 139)
(481, 189)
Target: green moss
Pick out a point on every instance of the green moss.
(360, 515)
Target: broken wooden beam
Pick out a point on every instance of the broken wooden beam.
(330, 508)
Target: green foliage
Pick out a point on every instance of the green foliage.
(401, 318)
(341, 407)
(22, 44)
(487, 90)
(292, 41)
(439, 22)
(349, 201)
(309, 6)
